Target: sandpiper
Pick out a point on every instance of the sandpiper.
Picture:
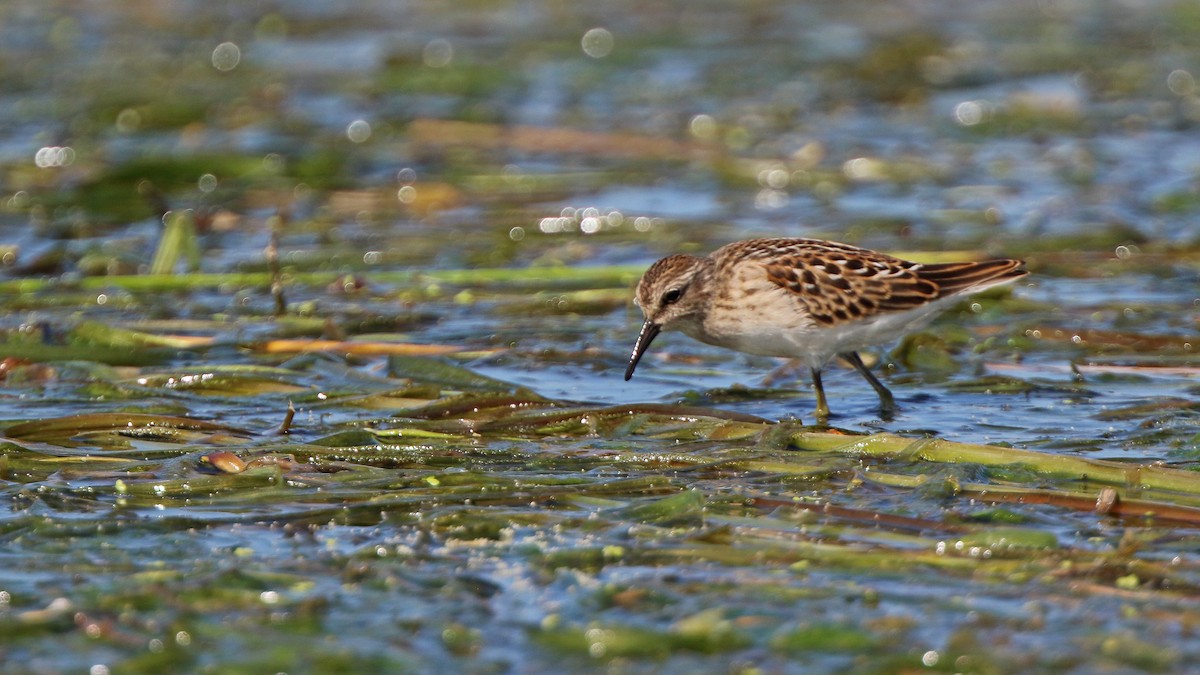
(806, 299)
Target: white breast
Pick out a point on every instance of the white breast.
(771, 323)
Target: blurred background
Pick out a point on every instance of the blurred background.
(494, 175)
(933, 122)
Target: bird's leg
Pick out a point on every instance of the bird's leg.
(822, 412)
(887, 404)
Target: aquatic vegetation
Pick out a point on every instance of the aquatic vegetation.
(314, 326)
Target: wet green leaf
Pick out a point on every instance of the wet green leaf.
(63, 428)
(443, 373)
(1002, 539)
(178, 242)
(684, 507)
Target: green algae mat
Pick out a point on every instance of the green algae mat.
(315, 320)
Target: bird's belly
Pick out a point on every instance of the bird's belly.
(793, 340)
(811, 345)
(801, 338)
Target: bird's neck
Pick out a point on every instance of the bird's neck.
(698, 289)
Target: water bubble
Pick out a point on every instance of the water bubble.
(864, 169)
(768, 199)
(596, 638)
(1123, 252)
(597, 43)
(590, 225)
(358, 131)
(406, 175)
(516, 233)
(128, 120)
(273, 162)
(1181, 83)
(437, 53)
(226, 56)
(969, 113)
(703, 127)
(930, 658)
(54, 156)
(406, 194)
(207, 183)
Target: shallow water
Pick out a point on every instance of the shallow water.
(406, 140)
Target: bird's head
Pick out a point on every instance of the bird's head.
(670, 294)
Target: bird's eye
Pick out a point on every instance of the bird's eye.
(672, 296)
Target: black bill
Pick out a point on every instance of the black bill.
(649, 332)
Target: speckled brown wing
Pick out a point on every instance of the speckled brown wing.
(836, 290)
(840, 283)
